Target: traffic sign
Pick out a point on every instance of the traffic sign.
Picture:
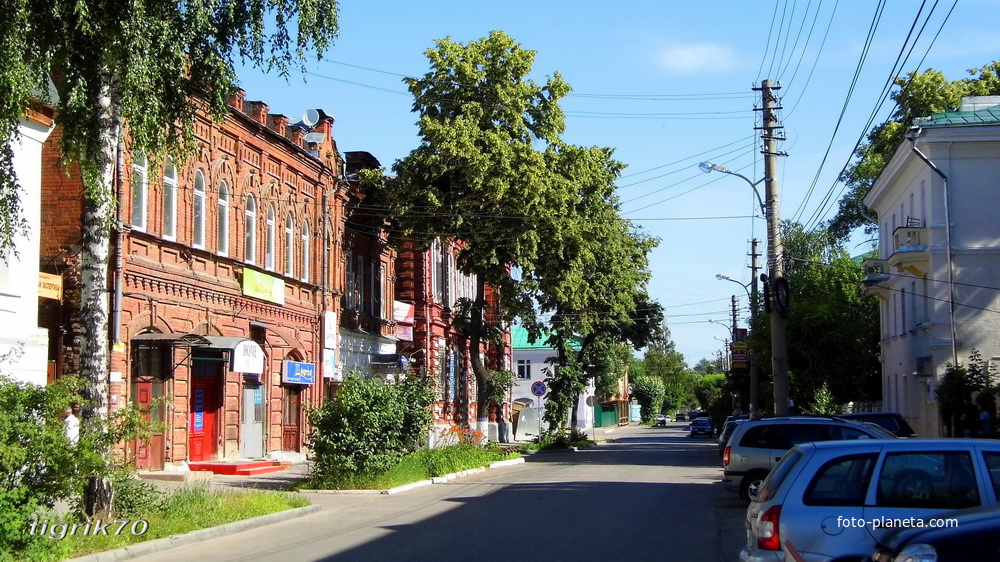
(538, 388)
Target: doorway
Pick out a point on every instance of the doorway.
(206, 397)
(149, 363)
(292, 413)
(252, 420)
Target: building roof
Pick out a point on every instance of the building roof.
(986, 116)
(519, 340)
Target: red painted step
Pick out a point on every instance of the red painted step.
(238, 468)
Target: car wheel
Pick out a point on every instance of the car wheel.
(750, 485)
(914, 487)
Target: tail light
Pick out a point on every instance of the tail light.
(768, 537)
(725, 456)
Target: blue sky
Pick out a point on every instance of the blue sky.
(668, 85)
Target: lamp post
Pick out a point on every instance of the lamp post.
(778, 308)
(754, 368)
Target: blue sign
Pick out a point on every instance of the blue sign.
(538, 388)
(299, 373)
(199, 408)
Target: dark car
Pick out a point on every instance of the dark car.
(702, 426)
(727, 432)
(969, 534)
(681, 417)
(890, 420)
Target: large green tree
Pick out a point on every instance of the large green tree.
(107, 66)
(919, 95)
(481, 173)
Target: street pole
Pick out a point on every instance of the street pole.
(754, 367)
(775, 251)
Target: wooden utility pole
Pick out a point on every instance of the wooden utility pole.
(754, 300)
(775, 253)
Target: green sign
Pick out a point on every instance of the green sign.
(263, 286)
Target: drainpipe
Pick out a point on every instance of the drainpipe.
(116, 323)
(914, 133)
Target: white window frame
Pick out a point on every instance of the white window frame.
(170, 200)
(140, 188)
(223, 207)
(250, 232)
(305, 251)
(269, 240)
(524, 369)
(198, 210)
(289, 245)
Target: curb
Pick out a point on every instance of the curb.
(420, 484)
(177, 541)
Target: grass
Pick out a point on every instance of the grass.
(421, 465)
(181, 511)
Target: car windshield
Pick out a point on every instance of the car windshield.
(701, 421)
(880, 431)
(778, 474)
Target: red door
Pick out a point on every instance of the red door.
(203, 422)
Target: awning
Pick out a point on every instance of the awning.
(245, 355)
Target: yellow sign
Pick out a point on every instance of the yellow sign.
(740, 345)
(50, 286)
(263, 286)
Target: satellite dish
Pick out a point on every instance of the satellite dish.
(315, 137)
(310, 117)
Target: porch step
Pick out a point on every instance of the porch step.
(238, 468)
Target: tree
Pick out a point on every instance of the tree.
(919, 95)
(140, 66)
(664, 361)
(480, 174)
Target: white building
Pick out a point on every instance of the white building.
(939, 286)
(531, 365)
(23, 345)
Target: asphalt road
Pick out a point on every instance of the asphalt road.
(648, 494)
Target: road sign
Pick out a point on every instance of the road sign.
(538, 388)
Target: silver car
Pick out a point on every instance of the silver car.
(837, 500)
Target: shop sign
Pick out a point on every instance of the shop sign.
(50, 286)
(247, 357)
(263, 286)
(294, 372)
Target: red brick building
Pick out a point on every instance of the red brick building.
(430, 284)
(228, 277)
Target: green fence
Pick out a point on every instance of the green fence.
(605, 416)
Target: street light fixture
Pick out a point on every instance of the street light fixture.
(709, 167)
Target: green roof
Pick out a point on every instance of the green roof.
(987, 116)
(519, 340)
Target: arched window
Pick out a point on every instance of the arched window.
(251, 229)
(269, 240)
(170, 200)
(139, 186)
(198, 237)
(289, 246)
(305, 251)
(223, 218)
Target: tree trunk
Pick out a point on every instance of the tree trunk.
(484, 382)
(99, 204)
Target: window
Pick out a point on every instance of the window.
(993, 465)
(929, 480)
(139, 186)
(349, 282)
(523, 369)
(198, 236)
(170, 200)
(842, 481)
(289, 246)
(251, 229)
(269, 240)
(223, 219)
(305, 251)
(378, 273)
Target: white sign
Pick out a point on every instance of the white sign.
(330, 330)
(247, 357)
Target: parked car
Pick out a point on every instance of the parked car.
(839, 499)
(702, 426)
(890, 420)
(661, 420)
(681, 417)
(727, 431)
(969, 534)
(756, 445)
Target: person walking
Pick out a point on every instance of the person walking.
(985, 423)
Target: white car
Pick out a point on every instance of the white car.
(836, 500)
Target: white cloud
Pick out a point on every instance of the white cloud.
(688, 59)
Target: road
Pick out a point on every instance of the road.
(648, 494)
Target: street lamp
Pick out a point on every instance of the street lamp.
(775, 275)
(754, 368)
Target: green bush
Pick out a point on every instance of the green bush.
(368, 426)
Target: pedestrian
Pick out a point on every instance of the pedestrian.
(73, 423)
(985, 423)
(970, 418)
(503, 425)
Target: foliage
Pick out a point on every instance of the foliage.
(919, 95)
(823, 403)
(368, 426)
(960, 382)
(565, 385)
(649, 392)
(464, 435)
(560, 440)
(503, 382)
(662, 360)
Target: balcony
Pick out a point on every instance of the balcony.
(876, 278)
(910, 252)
